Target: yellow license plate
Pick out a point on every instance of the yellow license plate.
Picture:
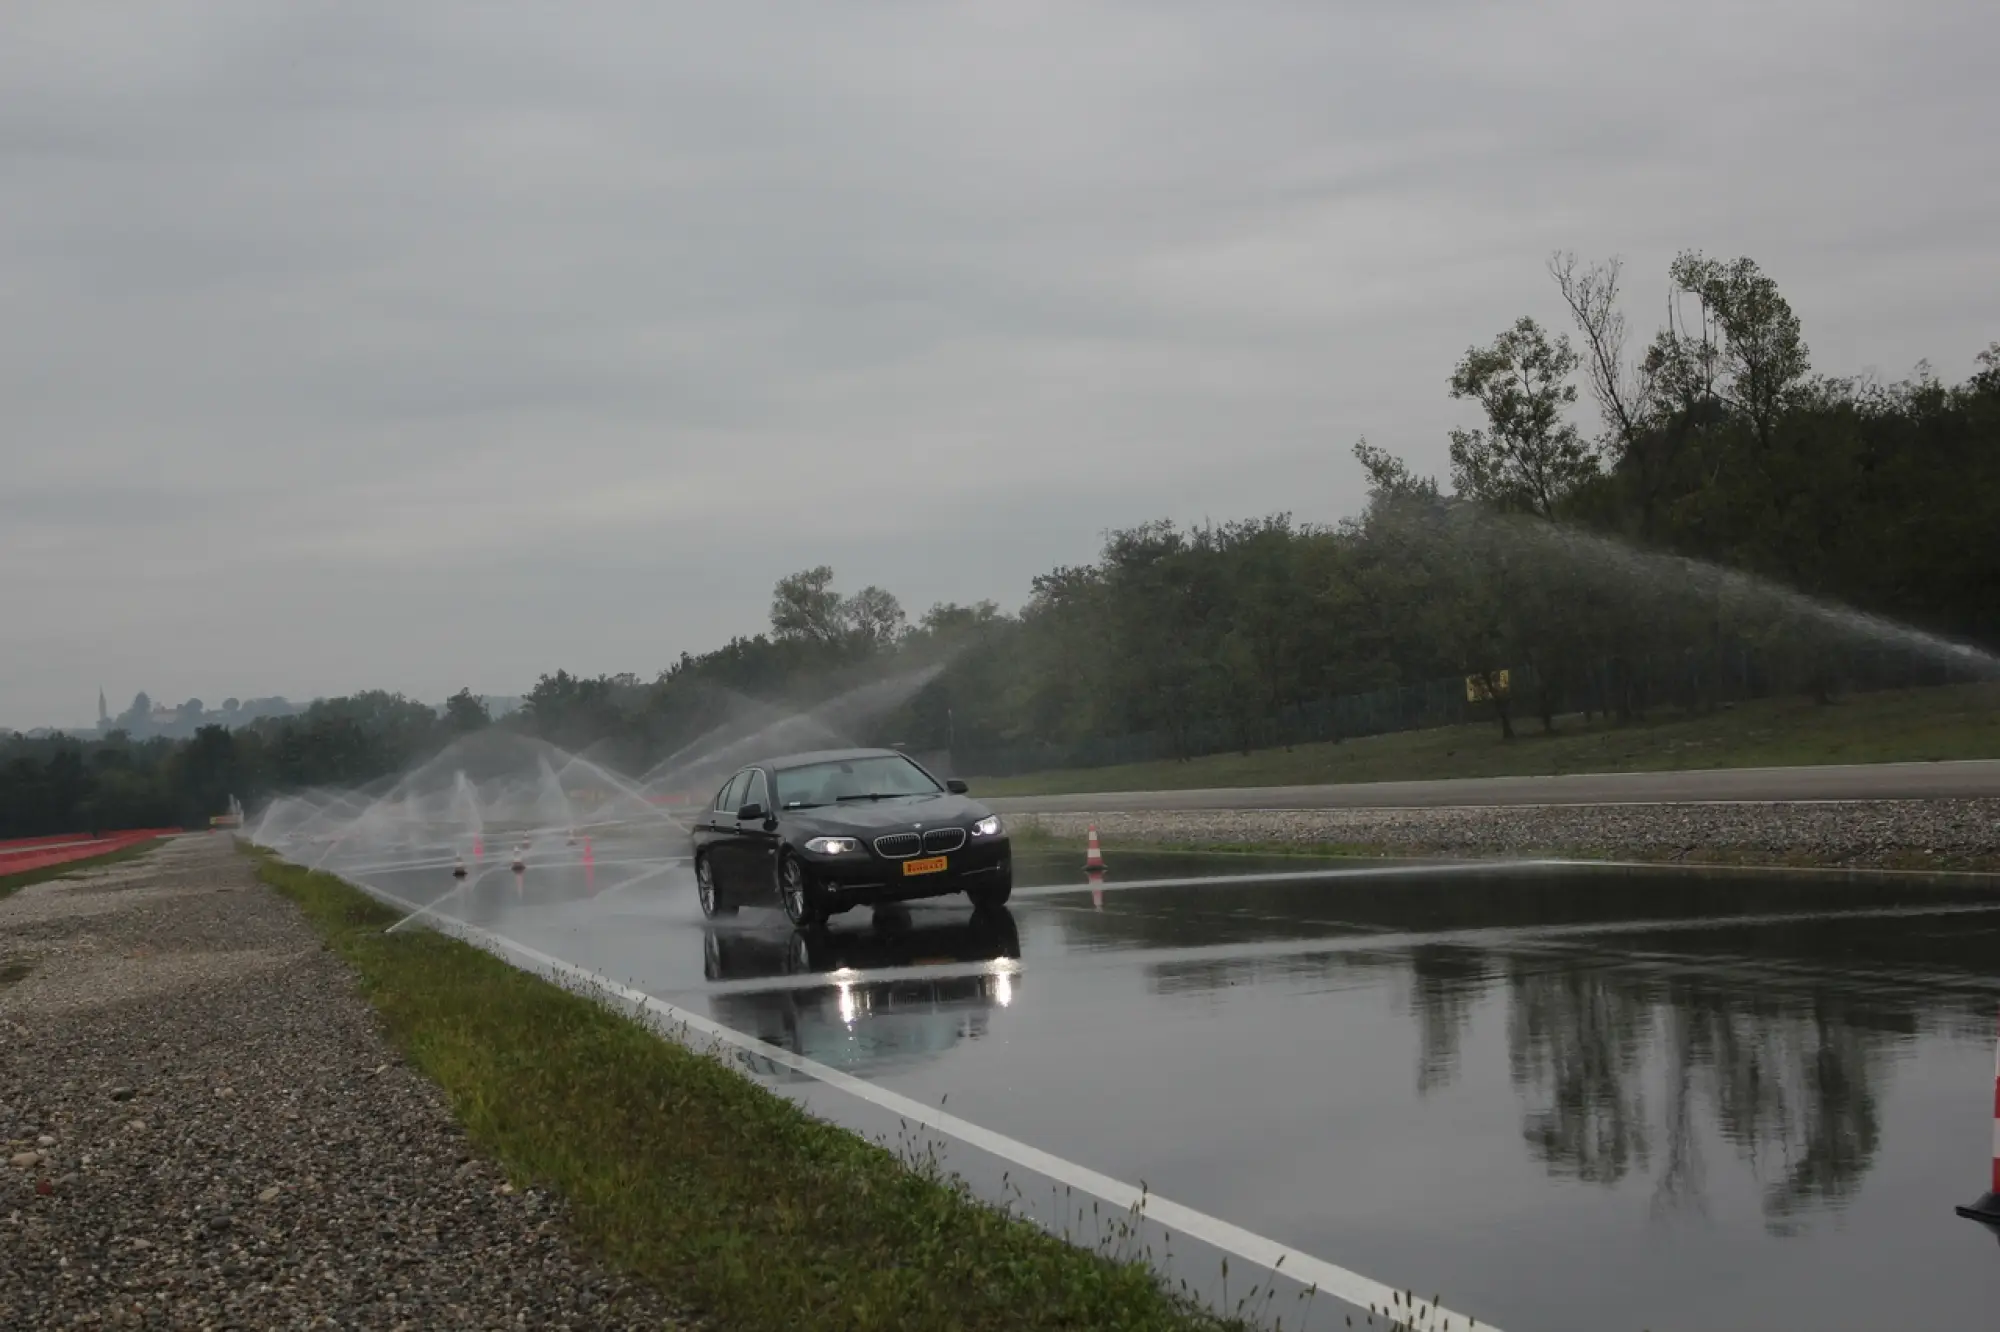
(932, 865)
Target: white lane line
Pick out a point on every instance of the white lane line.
(1501, 936)
(464, 884)
(444, 862)
(1490, 807)
(1361, 941)
(636, 880)
(1302, 876)
(1718, 868)
(1347, 1286)
(1710, 869)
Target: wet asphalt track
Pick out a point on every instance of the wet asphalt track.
(1563, 1098)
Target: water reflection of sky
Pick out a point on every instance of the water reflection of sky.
(1665, 1053)
(1667, 1087)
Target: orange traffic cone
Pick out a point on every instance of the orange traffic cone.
(1093, 855)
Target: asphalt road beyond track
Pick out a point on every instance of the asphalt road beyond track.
(1857, 781)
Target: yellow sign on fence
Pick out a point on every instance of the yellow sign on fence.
(1476, 691)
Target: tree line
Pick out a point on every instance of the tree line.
(1625, 527)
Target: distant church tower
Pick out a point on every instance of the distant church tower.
(103, 713)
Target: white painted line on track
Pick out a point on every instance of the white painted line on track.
(1716, 868)
(1360, 940)
(533, 865)
(1498, 936)
(637, 879)
(1347, 1286)
(1300, 876)
(1488, 807)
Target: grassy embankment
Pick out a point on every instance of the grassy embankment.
(10, 883)
(681, 1170)
(1913, 725)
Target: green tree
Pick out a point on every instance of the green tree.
(205, 774)
(465, 712)
(805, 608)
(874, 617)
(1763, 353)
(1529, 457)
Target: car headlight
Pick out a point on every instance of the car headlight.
(987, 827)
(833, 846)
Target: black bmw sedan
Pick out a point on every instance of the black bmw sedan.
(820, 833)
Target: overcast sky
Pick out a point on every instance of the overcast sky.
(418, 345)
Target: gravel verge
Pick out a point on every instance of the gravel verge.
(202, 1126)
(1873, 834)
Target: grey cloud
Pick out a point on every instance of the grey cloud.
(394, 308)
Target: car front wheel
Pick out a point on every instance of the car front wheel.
(712, 904)
(798, 893)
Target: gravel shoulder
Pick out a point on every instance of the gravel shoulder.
(1868, 834)
(202, 1125)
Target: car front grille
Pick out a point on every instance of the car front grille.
(898, 846)
(940, 840)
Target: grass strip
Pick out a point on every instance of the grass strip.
(681, 1170)
(1905, 725)
(10, 883)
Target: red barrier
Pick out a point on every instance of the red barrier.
(50, 840)
(53, 838)
(20, 862)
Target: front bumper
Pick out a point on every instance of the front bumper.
(858, 880)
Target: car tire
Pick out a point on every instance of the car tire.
(799, 957)
(798, 894)
(987, 896)
(712, 902)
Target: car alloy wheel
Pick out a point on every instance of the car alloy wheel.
(795, 892)
(712, 904)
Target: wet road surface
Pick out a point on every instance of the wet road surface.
(1965, 779)
(1560, 1097)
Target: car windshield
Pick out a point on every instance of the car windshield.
(886, 775)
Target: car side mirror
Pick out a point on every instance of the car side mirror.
(956, 787)
(750, 813)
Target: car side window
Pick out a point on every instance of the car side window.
(758, 792)
(726, 801)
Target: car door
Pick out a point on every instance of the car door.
(719, 837)
(757, 840)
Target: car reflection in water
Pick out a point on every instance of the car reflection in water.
(831, 1002)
